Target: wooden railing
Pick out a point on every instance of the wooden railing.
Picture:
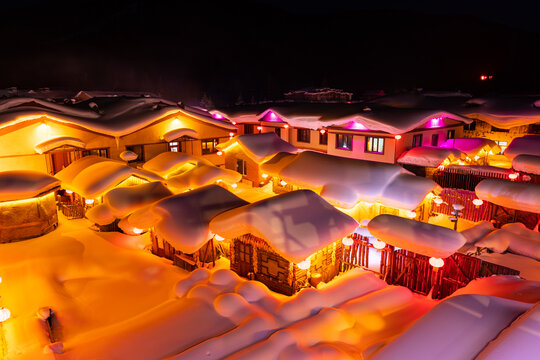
(466, 177)
(464, 197)
(73, 211)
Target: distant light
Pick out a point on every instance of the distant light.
(234, 122)
(286, 126)
(490, 152)
(378, 244)
(436, 262)
(4, 314)
(322, 131)
(89, 201)
(477, 202)
(347, 241)
(219, 153)
(304, 265)
(513, 176)
(461, 163)
(69, 192)
(264, 176)
(476, 157)
(137, 231)
(0, 279)
(234, 186)
(483, 77)
(283, 183)
(218, 238)
(397, 137)
(411, 214)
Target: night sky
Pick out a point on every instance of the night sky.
(260, 49)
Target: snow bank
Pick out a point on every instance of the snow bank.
(472, 146)
(419, 237)
(128, 155)
(125, 200)
(526, 145)
(202, 175)
(527, 163)
(504, 112)
(25, 184)
(344, 181)
(497, 241)
(504, 286)
(429, 156)
(100, 214)
(477, 232)
(170, 163)
(259, 147)
(295, 224)
(457, 328)
(514, 195)
(57, 142)
(182, 220)
(521, 340)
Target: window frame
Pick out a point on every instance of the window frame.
(213, 141)
(416, 143)
(436, 138)
(241, 164)
(249, 128)
(305, 138)
(323, 138)
(451, 134)
(370, 140)
(343, 135)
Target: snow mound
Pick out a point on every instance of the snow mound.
(295, 224)
(170, 163)
(202, 175)
(477, 232)
(514, 195)
(128, 155)
(430, 156)
(25, 184)
(497, 241)
(526, 145)
(100, 214)
(527, 163)
(57, 142)
(126, 200)
(515, 238)
(419, 237)
(259, 147)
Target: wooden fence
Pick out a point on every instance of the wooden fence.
(467, 177)
(464, 197)
(412, 270)
(73, 211)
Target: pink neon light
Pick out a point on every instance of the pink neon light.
(218, 116)
(353, 125)
(271, 117)
(435, 122)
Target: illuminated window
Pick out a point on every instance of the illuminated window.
(451, 134)
(434, 139)
(417, 140)
(303, 135)
(209, 146)
(98, 152)
(375, 145)
(344, 141)
(241, 166)
(323, 138)
(249, 128)
(137, 149)
(174, 146)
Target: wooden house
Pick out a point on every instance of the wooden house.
(179, 225)
(27, 205)
(287, 242)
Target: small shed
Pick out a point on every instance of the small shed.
(27, 205)
(287, 241)
(179, 224)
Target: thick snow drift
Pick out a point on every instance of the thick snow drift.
(124, 201)
(416, 236)
(429, 156)
(344, 181)
(504, 112)
(295, 224)
(457, 328)
(182, 220)
(515, 238)
(514, 195)
(25, 184)
(57, 142)
(526, 145)
(527, 163)
(259, 147)
(170, 163)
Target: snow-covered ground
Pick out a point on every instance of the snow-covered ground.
(113, 300)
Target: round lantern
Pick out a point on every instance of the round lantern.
(286, 126)
(438, 201)
(89, 201)
(218, 238)
(436, 262)
(378, 244)
(513, 176)
(304, 265)
(219, 153)
(347, 241)
(283, 183)
(477, 202)
(264, 176)
(397, 137)
(411, 214)
(4, 314)
(234, 186)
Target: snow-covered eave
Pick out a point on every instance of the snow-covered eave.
(505, 121)
(209, 119)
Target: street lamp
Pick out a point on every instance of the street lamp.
(456, 213)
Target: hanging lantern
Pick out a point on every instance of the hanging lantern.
(410, 214)
(322, 131)
(438, 201)
(219, 153)
(378, 244)
(286, 126)
(436, 262)
(283, 183)
(304, 265)
(218, 238)
(234, 122)
(513, 176)
(4, 314)
(347, 241)
(259, 128)
(477, 202)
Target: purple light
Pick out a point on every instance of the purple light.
(435, 122)
(218, 116)
(353, 125)
(271, 117)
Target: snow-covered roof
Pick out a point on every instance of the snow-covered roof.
(295, 224)
(527, 163)
(472, 146)
(170, 163)
(182, 220)
(57, 142)
(318, 115)
(259, 147)
(126, 200)
(514, 195)
(514, 237)
(459, 327)
(114, 116)
(89, 94)
(344, 181)
(25, 184)
(202, 175)
(93, 176)
(176, 133)
(504, 112)
(100, 214)
(419, 237)
(430, 156)
(526, 145)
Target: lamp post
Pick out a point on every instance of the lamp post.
(456, 213)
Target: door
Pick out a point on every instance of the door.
(244, 258)
(61, 159)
